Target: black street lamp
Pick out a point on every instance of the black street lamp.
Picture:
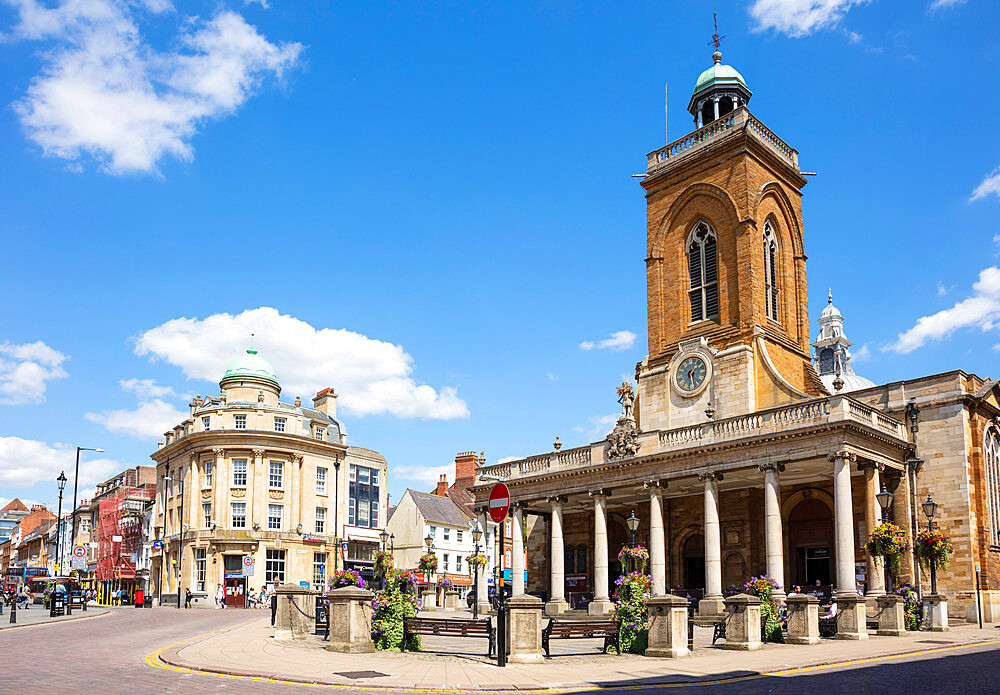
(392, 543)
(930, 509)
(61, 481)
(885, 502)
(477, 533)
(633, 524)
(384, 537)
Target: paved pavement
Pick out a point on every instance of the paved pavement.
(38, 614)
(112, 654)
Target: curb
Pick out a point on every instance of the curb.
(54, 622)
(171, 657)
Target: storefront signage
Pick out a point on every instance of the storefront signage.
(157, 545)
(314, 539)
(233, 575)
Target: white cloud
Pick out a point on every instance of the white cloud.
(508, 459)
(799, 17)
(601, 425)
(25, 368)
(619, 340)
(150, 419)
(941, 289)
(25, 462)
(853, 36)
(996, 347)
(145, 388)
(105, 94)
(981, 310)
(370, 375)
(989, 186)
(862, 354)
(425, 475)
(945, 4)
(263, 3)
(551, 376)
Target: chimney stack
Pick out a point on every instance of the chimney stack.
(442, 486)
(326, 402)
(466, 464)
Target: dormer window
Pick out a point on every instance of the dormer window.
(703, 273)
(240, 422)
(206, 423)
(318, 433)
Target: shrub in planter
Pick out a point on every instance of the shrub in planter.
(763, 587)
(390, 606)
(632, 591)
(634, 558)
(912, 605)
(342, 578)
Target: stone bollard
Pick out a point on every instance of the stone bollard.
(524, 629)
(803, 619)
(451, 600)
(350, 620)
(743, 623)
(891, 621)
(428, 600)
(668, 626)
(852, 616)
(296, 617)
(936, 613)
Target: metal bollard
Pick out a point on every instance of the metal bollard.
(502, 635)
(13, 611)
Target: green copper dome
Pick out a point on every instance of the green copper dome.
(719, 75)
(251, 365)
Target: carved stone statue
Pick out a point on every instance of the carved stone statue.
(627, 398)
(623, 441)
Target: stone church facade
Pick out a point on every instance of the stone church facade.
(739, 455)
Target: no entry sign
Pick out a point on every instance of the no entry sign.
(499, 502)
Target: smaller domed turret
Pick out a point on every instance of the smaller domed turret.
(719, 90)
(832, 357)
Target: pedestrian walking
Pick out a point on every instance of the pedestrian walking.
(220, 597)
(187, 597)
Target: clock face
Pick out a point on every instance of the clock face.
(691, 373)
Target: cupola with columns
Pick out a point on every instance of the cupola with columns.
(719, 90)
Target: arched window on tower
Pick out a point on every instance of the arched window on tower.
(770, 272)
(703, 271)
(991, 452)
(826, 361)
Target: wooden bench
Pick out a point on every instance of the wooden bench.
(451, 627)
(582, 629)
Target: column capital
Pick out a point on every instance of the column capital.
(654, 484)
(219, 452)
(557, 499)
(844, 454)
(777, 467)
(870, 465)
(711, 475)
(296, 458)
(600, 492)
(258, 453)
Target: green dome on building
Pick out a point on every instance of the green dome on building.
(251, 366)
(719, 75)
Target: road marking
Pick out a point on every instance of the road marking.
(153, 659)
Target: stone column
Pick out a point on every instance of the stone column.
(481, 589)
(557, 556)
(936, 613)
(772, 527)
(891, 621)
(257, 486)
(293, 491)
(350, 620)
(524, 629)
(517, 550)
(902, 515)
(668, 626)
(736, 102)
(843, 520)
(220, 481)
(715, 102)
(712, 603)
(803, 619)
(657, 546)
(601, 605)
(743, 624)
(428, 599)
(873, 514)
(192, 504)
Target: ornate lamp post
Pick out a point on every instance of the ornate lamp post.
(61, 481)
(633, 524)
(392, 543)
(477, 533)
(384, 537)
(428, 541)
(930, 509)
(885, 502)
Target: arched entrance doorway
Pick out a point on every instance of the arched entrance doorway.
(810, 540)
(693, 563)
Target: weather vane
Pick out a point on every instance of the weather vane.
(716, 39)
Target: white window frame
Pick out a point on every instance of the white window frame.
(206, 423)
(274, 521)
(319, 433)
(206, 514)
(238, 520)
(274, 566)
(320, 519)
(275, 474)
(279, 424)
(200, 567)
(239, 421)
(321, 476)
(241, 464)
(447, 533)
(319, 572)
(209, 471)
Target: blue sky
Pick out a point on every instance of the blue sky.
(430, 207)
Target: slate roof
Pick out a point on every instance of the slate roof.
(440, 510)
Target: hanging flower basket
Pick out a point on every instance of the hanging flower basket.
(887, 541)
(634, 558)
(446, 583)
(383, 562)
(428, 563)
(933, 547)
(347, 578)
(474, 561)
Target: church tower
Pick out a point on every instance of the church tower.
(725, 267)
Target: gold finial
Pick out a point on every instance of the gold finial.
(829, 295)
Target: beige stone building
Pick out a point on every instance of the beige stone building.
(254, 490)
(736, 453)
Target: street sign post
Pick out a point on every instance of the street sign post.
(248, 566)
(79, 551)
(499, 502)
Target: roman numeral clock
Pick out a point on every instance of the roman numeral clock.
(691, 369)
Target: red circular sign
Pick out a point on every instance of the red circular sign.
(499, 502)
